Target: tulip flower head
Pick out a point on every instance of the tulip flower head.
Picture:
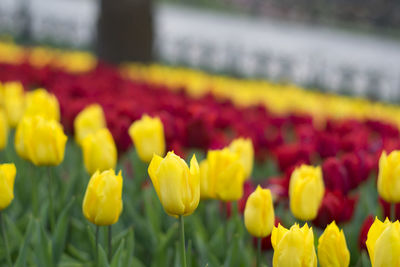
(332, 248)
(389, 177)
(3, 130)
(7, 178)
(222, 175)
(102, 204)
(147, 135)
(41, 103)
(259, 216)
(244, 147)
(293, 247)
(13, 102)
(88, 121)
(99, 151)
(40, 141)
(306, 190)
(383, 243)
(177, 186)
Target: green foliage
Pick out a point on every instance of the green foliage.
(144, 235)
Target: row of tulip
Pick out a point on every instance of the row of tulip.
(347, 150)
(40, 139)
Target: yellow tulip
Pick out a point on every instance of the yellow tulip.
(99, 151)
(177, 186)
(13, 102)
(389, 177)
(7, 178)
(222, 176)
(207, 185)
(88, 121)
(332, 248)
(41, 141)
(102, 204)
(259, 216)
(244, 147)
(306, 190)
(383, 243)
(147, 135)
(22, 132)
(294, 247)
(3, 130)
(40, 102)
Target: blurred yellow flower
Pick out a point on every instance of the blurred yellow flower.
(383, 243)
(244, 147)
(7, 178)
(14, 101)
(3, 130)
(389, 177)
(40, 102)
(332, 248)
(222, 177)
(99, 151)
(102, 204)
(89, 120)
(306, 190)
(41, 141)
(294, 247)
(259, 216)
(148, 137)
(177, 186)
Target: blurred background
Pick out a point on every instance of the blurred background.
(348, 47)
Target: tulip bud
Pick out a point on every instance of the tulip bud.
(88, 121)
(259, 216)
(294, 247)
(332, 248)
(102, 204)
(13, 102)
(41, 103)
(41, 141)
(99, 151)
(7, 178)
(22, 132)
(244, 147)
(306, 190)
(389, 177)
(177, 186)
(147, 135)
(3, 130)
(225, 177)
(383, 243)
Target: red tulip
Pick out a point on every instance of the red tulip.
(335, 207)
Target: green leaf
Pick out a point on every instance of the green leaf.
(103, 262)
(117, 259)
(42, 246)
(92, 239)
(60, 232)
(22, 254)
(130, 248)
(233, 257)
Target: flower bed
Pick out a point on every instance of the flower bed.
(288, 127)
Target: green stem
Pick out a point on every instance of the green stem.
(34, 188)
(109, 243)
(51, 207)
(183, 249)
(3, 232)
(393, 211)
(258, 251)
(97, 244)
